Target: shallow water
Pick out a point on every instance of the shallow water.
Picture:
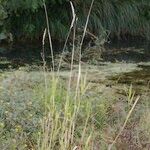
(134, 51)
(139, 77)
(128, 62)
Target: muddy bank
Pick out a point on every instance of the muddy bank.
(121, 63)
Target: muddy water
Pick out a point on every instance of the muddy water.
(137, 53)
(123, 63)
(137, 77)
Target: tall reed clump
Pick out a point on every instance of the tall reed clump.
(67, 111)
(71, 119)
(66, 124)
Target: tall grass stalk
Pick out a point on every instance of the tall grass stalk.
(49, 35)
(125, 123)
(80, 48)
(73, 25)
(69, 32)
(43, 58)
(59, 126)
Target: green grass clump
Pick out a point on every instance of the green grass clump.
(55, 116)
(72, 118)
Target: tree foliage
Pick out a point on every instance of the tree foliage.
(25, 18)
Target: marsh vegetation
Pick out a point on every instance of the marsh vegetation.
(91, 93)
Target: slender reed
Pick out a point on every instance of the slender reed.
(125, 123)
(49, 35)
(81, 43)
(59, 126)
(71, 26)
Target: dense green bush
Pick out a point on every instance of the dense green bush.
(26, 18)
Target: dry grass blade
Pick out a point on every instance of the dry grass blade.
(80, 48)
(43, 58)
(85, 28)
(49, 35)
(125, 123)
(73, 15)
(71, 26)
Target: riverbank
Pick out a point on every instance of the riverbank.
(107, 91)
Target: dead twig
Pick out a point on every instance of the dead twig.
(125, 123)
